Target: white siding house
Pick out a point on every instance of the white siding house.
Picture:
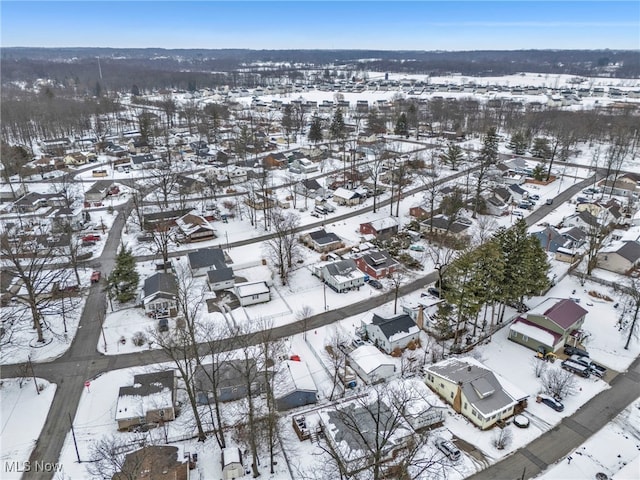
(251, 293)
(371, 364)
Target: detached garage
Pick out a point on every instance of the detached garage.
(371, 364)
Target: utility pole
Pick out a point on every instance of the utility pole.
(33, 374)
(75, 443)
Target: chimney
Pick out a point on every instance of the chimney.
(468, 368)
(420, 317)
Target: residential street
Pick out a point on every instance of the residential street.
(83, 362)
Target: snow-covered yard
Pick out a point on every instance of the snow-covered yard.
(22, 414)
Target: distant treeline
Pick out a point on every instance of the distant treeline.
(154, 68)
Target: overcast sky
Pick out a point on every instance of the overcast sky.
(413, 25)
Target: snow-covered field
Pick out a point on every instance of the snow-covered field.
(22, 414)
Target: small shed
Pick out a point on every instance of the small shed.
(251, 293)
(232, 463)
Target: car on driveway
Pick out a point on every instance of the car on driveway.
(163, 325)
(552, 403)
(91, 238)
(417, 248)
(375, 284)
(448, 448)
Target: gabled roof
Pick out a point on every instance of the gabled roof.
(322, 237)
(629, 251)
(378, 259)
(293, 377)
(311, 184)
(207, 257)
(550, 239)
(481, 386)
(160, 283)
(191, 223)
(220, 275)
(517, 189)
(390, 327)
(346, 194)
(140, 159)
(562, 312)
(341, 267)
(383, 224)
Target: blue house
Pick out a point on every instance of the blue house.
(294, 385)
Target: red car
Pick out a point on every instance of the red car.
(95, 276)
(91, 238)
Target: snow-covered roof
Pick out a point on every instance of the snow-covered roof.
(384, 223)
(151, 391)
(344, 193)
(292, 377)
(369, 358)
(249, 289)
(533, 332)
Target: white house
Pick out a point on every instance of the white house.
(371, 364)
(391, 333)
(160, 295)
(250, 293)
(342, 275)
(342, 196)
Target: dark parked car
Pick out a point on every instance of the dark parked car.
(375, 284)
(163, 325)
(571, 350)
(553, 403)
(433, 291)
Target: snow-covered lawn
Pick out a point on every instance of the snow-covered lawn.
(614, 451)
(22, 416)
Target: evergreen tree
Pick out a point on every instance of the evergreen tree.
(337, 130)
(401, 125)
(519, 143)
(287, 121)
(489, 152)
(540, 148)
(124, 278)
(453, 156)
(315, 131)
(539, 172)
(412, 118)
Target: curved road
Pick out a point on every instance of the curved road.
(82, 361)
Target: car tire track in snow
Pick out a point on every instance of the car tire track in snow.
(538, 422)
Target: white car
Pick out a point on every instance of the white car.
(518, 213)
(448, 448)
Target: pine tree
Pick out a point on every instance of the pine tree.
(315, 131)
(489, 152)
(540, 148)
(124, 278)
(519, 143)
(401, 125)
(453, 156)
(287, 121)
(337, 129)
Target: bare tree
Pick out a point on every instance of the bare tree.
(336, 357)
(559, 383)
(375, 168)
(629, 318)
(181, 344)
(539, 367)
(111, 457)
(30, 262)
(397, 277)
(303, 315)
(283, 248)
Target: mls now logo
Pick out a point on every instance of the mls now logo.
(28, 466)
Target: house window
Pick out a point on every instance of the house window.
(465, 405)
(451, 394)
(525, 338)
(255, 297)
(442, 385)
(474, 413)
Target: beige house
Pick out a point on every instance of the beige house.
(475, 391)
(619, 257)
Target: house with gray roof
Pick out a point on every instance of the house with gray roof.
(550, 324)
(322, 241)
(294, 385)
(550, 239)
(342, 275)
(211, 262)
(227, 381)
(475, 391)
(377, 263)
(389, 334)
(309, 187)
(444, 225)
(619, 257)
(159, 296)
(353, 427)
(151, 399)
